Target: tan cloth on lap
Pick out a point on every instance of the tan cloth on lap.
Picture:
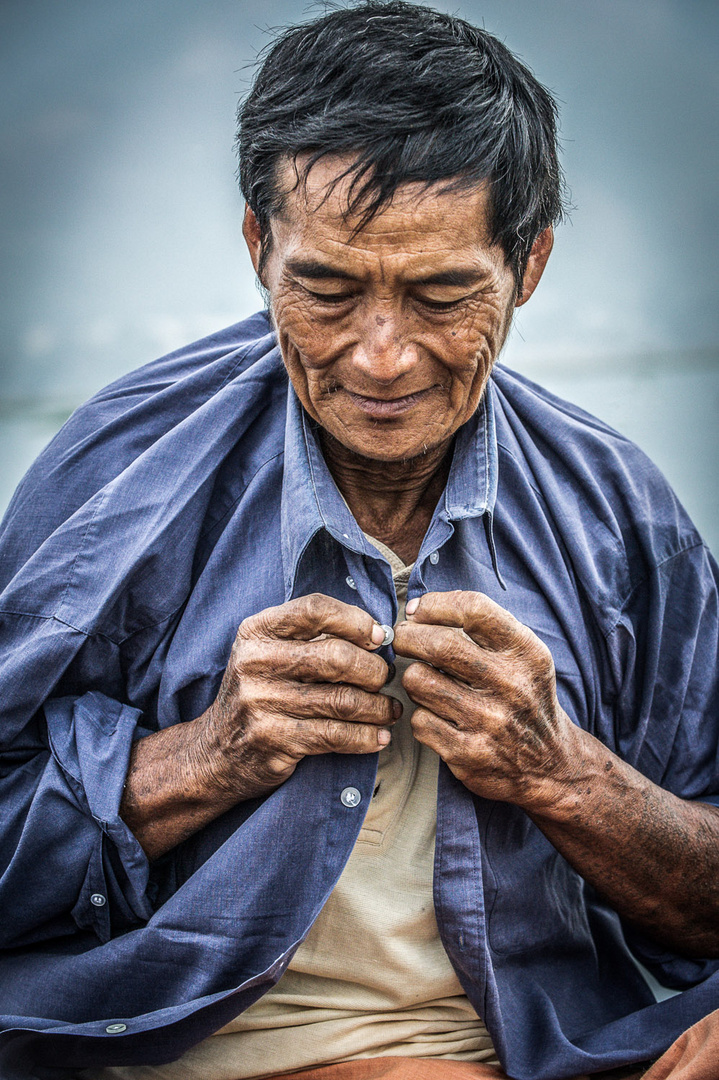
(372, 979)
(694, 1056)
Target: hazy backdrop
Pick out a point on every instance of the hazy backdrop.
(121, 216)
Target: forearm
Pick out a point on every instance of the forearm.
(653, 856)
(172, 787)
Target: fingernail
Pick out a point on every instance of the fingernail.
(412, 606)
(383, 737)
(397, 708)
(377, 634)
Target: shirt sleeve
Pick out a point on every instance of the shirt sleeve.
(67, 860)
(665, 646)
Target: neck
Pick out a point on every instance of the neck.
(390, 500)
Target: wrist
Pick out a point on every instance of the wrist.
(575, 780)
(211, 776)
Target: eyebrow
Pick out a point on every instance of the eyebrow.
(317, 271)
(458, 277)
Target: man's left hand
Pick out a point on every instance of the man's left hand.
(487, 703)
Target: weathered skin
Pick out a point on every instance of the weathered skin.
(298, 678)
(389, 337)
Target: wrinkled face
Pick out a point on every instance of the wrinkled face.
(388, 336)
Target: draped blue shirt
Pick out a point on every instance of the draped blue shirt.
(193, 493)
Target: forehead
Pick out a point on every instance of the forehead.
(419, 220)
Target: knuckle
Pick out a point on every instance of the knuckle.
(279, 766)
(339, 736)
(246, 629)
(377, 671)
(422, 723)
(345, 702)
(415, 676)
(313, 606)
(248, 656)
(545, 660)
(339, 654)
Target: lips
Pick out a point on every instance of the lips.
(386, 408)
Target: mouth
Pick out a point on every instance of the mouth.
(386, 408)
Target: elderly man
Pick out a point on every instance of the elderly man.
(454, 772)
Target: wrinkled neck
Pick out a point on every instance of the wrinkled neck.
(390, 500)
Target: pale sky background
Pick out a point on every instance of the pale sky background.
(121, 216)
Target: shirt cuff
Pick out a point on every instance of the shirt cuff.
(90, 738)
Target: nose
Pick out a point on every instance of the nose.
(384, 351)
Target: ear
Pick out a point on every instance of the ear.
(253, 237)
(541, 250)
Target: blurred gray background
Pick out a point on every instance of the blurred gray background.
(121, 216)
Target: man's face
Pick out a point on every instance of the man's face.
(389, 335)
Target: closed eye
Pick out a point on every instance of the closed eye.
(441, 305)
(328, 298)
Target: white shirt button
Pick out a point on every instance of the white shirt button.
(388, 634)
(116, 1029)
(351, 582)
(98, 899)
(434, 558)
(351, 797)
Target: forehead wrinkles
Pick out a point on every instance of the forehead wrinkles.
(393, 247)
(321, 196)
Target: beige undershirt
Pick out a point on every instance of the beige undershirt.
(372, 977)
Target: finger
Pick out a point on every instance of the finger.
(312, 701)
(436, 733)
(308, 616)
(454, 702)
(488, 624)
(337, 737)
(330, 659)
(444, 647)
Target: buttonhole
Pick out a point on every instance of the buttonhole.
(390, 673)
(376, 789)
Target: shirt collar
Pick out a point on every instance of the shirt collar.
(311, 500)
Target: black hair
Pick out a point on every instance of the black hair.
(411, 95)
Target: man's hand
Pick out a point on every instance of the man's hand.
(487, 704)
(302, 679)
(486, 696)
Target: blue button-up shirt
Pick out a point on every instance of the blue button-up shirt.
(193, 493)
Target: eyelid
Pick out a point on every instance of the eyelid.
(441, 305)
(447, 305)
(331, 297)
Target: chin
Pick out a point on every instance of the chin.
(386, 447)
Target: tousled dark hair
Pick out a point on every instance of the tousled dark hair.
(410, 95)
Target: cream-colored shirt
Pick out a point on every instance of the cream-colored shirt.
(372, 977)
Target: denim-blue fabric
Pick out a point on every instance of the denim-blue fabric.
(192, 493)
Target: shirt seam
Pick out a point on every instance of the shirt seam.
(231, 508)
(643, 580)
(88, 634)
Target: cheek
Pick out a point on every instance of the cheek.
(471, 348)
(297, 329)
(305, 348)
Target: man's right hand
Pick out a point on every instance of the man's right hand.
(303, 678)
